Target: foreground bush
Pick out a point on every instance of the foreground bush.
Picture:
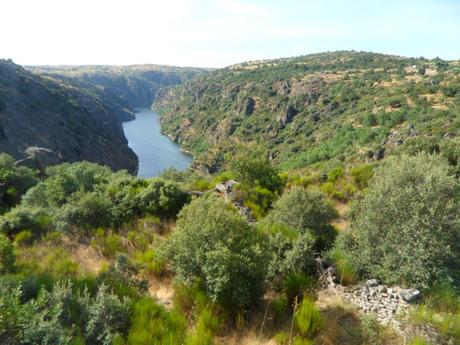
(214, 244)
(407, 227)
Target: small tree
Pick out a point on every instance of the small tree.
(214, 244)
(407, 228)
(306, 211)
(258, 172)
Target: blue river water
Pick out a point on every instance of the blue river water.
(156, 152)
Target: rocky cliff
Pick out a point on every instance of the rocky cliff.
(43, 112)
(121, 88)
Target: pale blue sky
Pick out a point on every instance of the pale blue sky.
(221, 32)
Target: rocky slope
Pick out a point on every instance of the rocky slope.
(121, 88)
(308, 110)
(40, 111)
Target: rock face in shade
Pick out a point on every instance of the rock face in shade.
(57, 116)
(121, 88)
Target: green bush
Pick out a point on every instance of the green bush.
(362, 175)
(411, 205)
(306, 211)
(205, 327)
(214, 244)
(122, 276)
(23, 237)
(85, 211)
(23, 217)
(307, 318)
(152, 324)
(108, 316)
(162, 198)
(109, 244)
(257, 172)
(343, 261)
(7, 256)
(335, 173)
(257, 199)
(289, 252)
(296, 285)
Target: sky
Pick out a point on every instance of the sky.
(217, 33)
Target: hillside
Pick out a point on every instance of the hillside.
(304, 111)
(121, 88)
(39, 111)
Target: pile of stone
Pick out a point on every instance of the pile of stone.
(389, 304)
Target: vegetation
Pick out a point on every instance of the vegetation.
(308, 110)
(351, 158)
(411, 205)
(214, 244)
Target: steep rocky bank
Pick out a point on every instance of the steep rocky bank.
(121, 88)
(56, 115)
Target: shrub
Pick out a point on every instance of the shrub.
(23, 238)
(258, 172)
(23, 217)
(411, 205)
(306, 211)
(7, 257)
(205, 328)
(258, 199)
(162, 198)
(415, 145)
(122, 277)
(152, 324)
(362, 175)
(296, 284)
(307, 318)
(109, 244)
(213, 243)
(108, 316)
(85, 212)
(289, 251)
(151, 262)
(347, 273)
(335, 173)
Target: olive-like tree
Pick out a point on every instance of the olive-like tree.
(214, 244)
(407, 227)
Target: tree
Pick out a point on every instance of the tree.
(258, 172)
(306, 211)
(214, 244)
(407, 227)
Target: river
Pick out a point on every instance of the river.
(156, 152)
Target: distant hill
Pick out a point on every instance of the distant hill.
(308, 110)
(121, 88)
(44, 112)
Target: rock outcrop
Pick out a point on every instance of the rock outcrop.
(41, 114)
(39, 158)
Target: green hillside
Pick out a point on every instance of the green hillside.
(303, 111)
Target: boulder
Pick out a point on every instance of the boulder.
(411, 295)
(39, 158)
(371, 283)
